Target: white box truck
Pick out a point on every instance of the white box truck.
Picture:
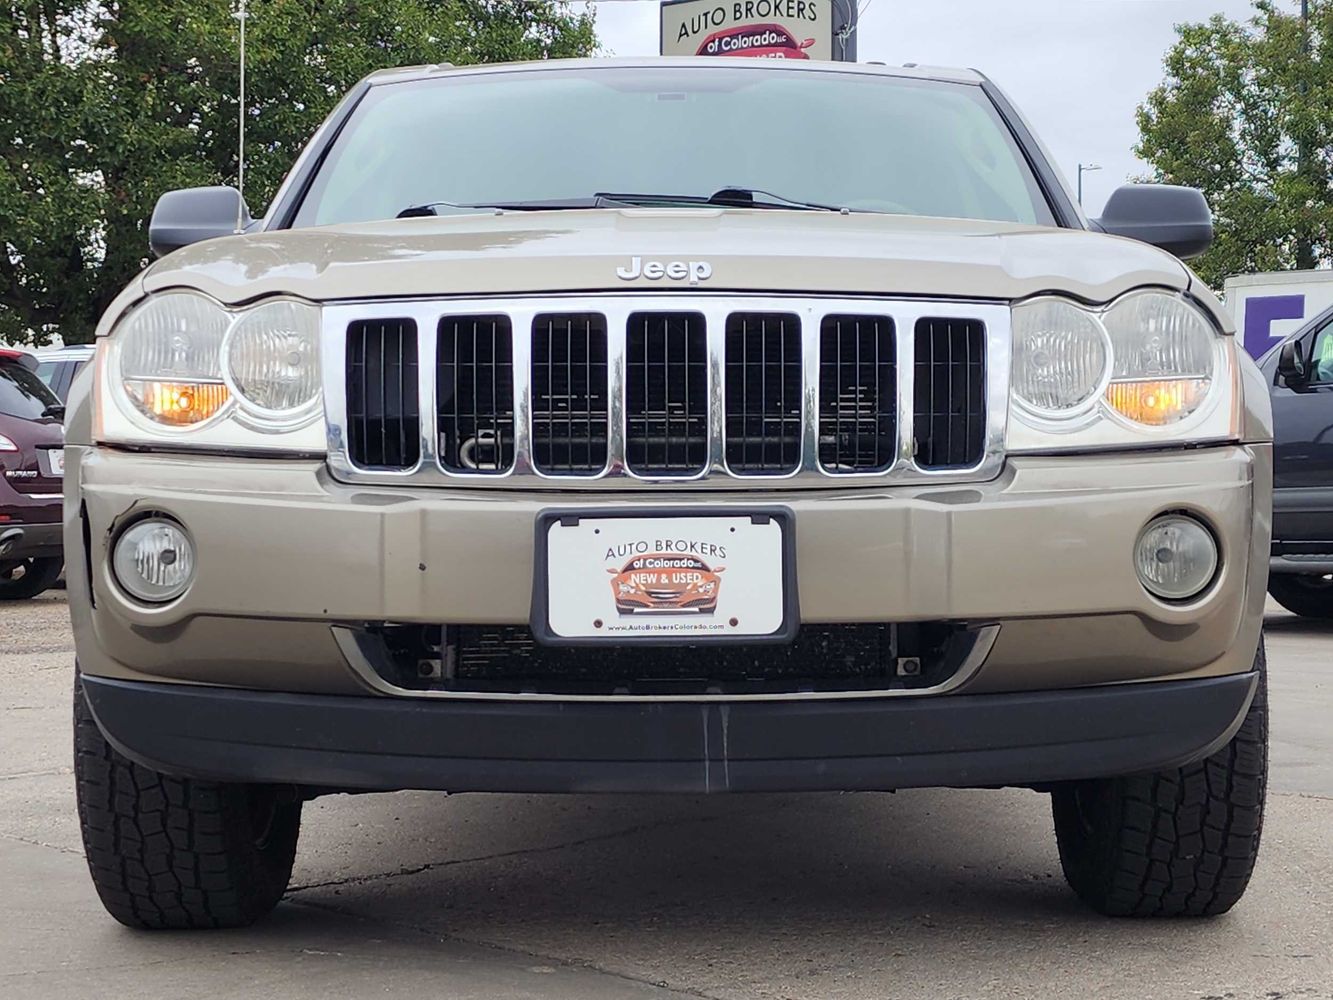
(1269, 306)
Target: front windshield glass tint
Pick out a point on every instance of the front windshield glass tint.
(861, 141)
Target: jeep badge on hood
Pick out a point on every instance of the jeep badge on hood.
(654, 270)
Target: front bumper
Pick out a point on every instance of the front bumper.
(328, 742)
(286, 554)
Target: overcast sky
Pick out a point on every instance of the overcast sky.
(1078, 68)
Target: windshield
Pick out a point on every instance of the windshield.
(22, 393)
(859, 141)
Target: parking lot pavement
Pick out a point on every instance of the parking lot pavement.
(925, 894)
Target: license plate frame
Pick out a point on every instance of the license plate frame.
(788, 601)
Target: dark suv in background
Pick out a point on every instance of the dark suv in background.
(32, 462)
(1300, 377)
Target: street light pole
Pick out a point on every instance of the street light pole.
(845, 15)
(1085, 168)
(241, 15)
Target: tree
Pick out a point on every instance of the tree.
(105, 105)
(1246, 114)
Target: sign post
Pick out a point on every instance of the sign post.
(766, 29)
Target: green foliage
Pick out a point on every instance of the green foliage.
(1246, 114)
(106, 105)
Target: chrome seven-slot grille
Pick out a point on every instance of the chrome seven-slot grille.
(654, 389)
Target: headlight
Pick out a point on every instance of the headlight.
(271, 362)
(168, 356)
(1061, 358)
(1149, 368)
(1164, 358)
(182, 365)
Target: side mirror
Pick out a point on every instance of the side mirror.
(1291, 366)
(1177, 219)
(194, 214)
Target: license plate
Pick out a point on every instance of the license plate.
(55, 460)
(670, 577)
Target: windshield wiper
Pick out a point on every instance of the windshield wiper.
(731, 197)
(56, 410)
(429, 208)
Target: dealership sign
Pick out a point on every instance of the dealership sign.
(766, 29)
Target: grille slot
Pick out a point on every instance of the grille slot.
(569, 393)
(666, 393)
(474, 393)
(506, 659)
(383, 418)
(837, 657)
(858, 394)
(763, 392)
(949, 412)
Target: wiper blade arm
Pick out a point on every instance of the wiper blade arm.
(430, 208)
(744, 197)
(613, 199)
(730, 197)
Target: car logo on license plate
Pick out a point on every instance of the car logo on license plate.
(666, 581)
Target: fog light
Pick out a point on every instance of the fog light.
(153, 560)
(1175, 557)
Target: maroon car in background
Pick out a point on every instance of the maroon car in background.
(32, 461)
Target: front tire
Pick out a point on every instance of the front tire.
(1307, 596)
(167, 852)
(26, 578)
(1173, 843)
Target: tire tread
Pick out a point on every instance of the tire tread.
(169, 852)
(1180, 842)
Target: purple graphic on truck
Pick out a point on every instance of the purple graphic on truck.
(1261, 312)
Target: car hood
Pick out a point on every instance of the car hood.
(745, 250)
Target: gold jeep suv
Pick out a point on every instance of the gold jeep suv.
(668, 425)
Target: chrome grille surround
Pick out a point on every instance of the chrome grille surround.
(617, 308)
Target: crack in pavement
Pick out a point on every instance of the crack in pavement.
(519, 852)
(37, 774)
(99, 967)
(39, 843)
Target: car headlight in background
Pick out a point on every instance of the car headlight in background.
(183, 366)
(1149, 367)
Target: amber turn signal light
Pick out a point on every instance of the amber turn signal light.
(1157, 402)
(177, 404)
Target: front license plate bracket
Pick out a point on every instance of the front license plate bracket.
(713, 582)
